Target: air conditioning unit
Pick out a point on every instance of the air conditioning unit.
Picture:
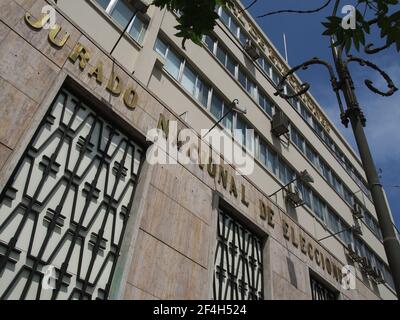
(357, 211)
(280, 124)
(351, 252)
(357, 229)
(293, 196)
(252, 50)
(366, 266)
(378, 276)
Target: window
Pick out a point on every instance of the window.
(320, 291)
(209, 41)
(138, 30)
(318, 207)
(272, 160)
(265, 103)
(221, 55)
(189, 80)
(326, 171)
(238, 273)
(242, 78)
(297, 139)
(285, 173)
(251, 88)
(276, 78)
(333, 222)
(233, 26)
(243, 38)
(312, 155)
(103, 3)
(240, 132)
(305, 193)
(265, 65)
(263, 153)
(228, 120)
(161, 48)
(202, 92)
(122, 14)
(227, 60)
(173, 64)
(306, 114)
(231, 65)
(217, 106)
(225, 17)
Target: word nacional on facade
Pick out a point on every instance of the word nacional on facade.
(291, 231)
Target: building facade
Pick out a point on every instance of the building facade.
(85, 215)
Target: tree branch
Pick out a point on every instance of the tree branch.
(296, 11)
(249, 6)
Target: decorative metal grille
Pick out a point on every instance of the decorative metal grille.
(238, 262)
(67, 206)
(320, 291)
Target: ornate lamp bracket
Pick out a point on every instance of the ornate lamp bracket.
(305, 87)
(391, 87)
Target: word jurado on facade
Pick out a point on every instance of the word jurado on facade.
(80, 53)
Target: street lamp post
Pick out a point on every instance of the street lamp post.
(355, 116)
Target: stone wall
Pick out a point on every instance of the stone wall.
(169, 248)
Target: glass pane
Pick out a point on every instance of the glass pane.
(221, 55)
(242, 37)
(225, 17)
(228, 121)
(268, 106)
(240, 132)
(275, 77)
(122, 13)
(231, 65)
(263, 153)
(189, 80)
(234, 27)
(103, 3)
(209, 43)
(173, 64)
(137, 30)
(251, 88)
(267, 67)
(216, 106)
(202, 92)
(272, 161)
(161, 47)
(242, 78)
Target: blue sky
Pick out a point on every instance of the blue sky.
(305, 41)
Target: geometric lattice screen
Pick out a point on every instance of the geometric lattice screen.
(238, 262)
(67, 206)
(321, 292)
